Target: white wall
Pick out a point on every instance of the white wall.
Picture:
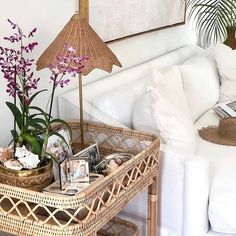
(50, 17)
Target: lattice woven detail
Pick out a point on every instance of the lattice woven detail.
(26, 212)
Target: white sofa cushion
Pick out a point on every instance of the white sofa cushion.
(226, 61)
(162, 111)
(92, 92)
(117, 102)
(201, 84)
(222, 159)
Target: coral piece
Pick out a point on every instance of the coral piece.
(6, 154)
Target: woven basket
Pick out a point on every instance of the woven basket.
(86, 212)
(118, 227)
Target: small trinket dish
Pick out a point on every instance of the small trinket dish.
(113, 161)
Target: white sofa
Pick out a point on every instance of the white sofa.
(187, 180)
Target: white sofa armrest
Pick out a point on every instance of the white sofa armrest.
(68, 110)
(196, 196)
(184, 190)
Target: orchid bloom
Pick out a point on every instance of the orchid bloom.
(67, 65)
(14, 65)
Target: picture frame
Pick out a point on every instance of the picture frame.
(100, 167)
(119, 19)
(79, 170)
(63, 173)
(92, 155)
(58, 148)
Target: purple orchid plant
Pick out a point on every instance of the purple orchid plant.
(16, 67)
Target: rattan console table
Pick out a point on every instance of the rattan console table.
(26, 212)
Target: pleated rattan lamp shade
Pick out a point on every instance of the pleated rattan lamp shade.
(80, 35)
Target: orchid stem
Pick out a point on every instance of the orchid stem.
(52, 97)
(14, 138)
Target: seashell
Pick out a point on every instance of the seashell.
(112, 163)
(6, 153)
(119, 161)
(111, 168)
(27, 159)
(13, 164)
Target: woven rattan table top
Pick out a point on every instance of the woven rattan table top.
(26, 212)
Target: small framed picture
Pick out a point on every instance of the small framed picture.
(64, 173)
(92, 155)
(99, 168)
(57, 146)
(79, 170)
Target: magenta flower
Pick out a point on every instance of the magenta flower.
(66, 65)
(15, 66)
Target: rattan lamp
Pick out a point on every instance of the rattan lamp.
(80, 35)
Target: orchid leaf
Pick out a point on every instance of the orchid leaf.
(16, 113)
(42, 112)
(60, 136)
(38, 109)
(64, 123)
(35, 94)
(33, 141)
(36, 126)
(53, 157)
(39, 121)
(14, 134)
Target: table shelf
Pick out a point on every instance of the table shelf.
(27, 212)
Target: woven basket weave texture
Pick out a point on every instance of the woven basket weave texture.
(85, 213)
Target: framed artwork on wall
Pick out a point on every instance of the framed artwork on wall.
(122, 18)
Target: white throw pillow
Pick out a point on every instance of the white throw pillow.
(226, 61)
(201, 84)
(162, 109)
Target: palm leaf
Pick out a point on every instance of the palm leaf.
(212, 18)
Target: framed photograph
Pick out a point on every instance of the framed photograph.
(122, 18)
(64, 173)
(92, 155)
(99, 168)
(79, 170)
(58, 148)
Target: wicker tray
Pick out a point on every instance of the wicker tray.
(118, 227)
(85, 213)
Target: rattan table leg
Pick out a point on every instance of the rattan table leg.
(152, 208)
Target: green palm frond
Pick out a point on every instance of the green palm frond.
(212, 18)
